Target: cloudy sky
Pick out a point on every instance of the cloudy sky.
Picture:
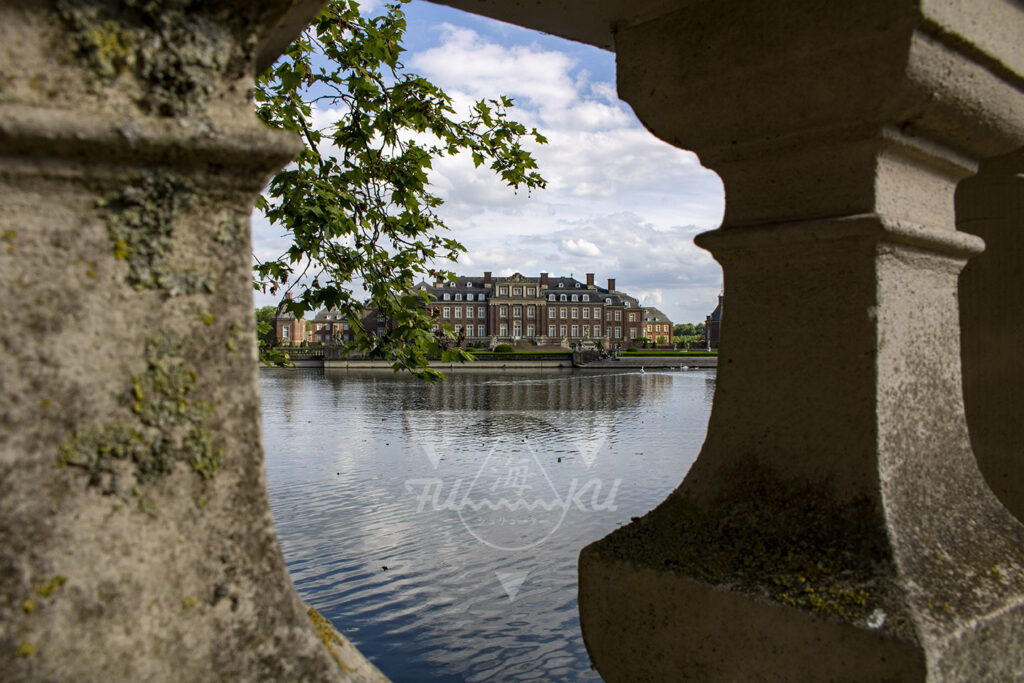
(619, 202)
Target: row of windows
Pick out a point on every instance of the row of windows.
(481, 312)
(458, 297)
(518, 291)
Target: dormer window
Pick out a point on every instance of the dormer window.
(458, 297)
(577, 285)
(451, 284)
(447, 296)
(627, 304)
(561, 297)
(561, 285)
(586, 297)
(551, 297)
(575, 298)
(608, 301)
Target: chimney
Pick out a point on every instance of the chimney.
(543, 279)
(590, 280)
(611, 284)
(487, 278)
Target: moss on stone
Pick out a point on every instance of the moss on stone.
(168, 428)
(46, 588)
(25, 649)
(788, 543)
(328, 636)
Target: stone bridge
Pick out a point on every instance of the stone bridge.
(853, 514)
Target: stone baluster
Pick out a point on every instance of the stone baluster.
(991, 206)
(136, 541)
(835, 525)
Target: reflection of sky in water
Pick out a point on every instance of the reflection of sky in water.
(344, 453)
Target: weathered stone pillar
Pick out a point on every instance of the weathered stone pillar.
(991, 206)
(135, 534)
(835, 525)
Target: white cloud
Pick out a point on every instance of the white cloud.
(580, 248)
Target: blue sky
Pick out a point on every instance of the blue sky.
(620, 203)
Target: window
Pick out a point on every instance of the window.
(575, 298)
(480, 331)
(285, 330)
(597, 330)
(551, 313)
(447, 296)
(564, 312)
(632, 317)
(531, 292)
(551, 297)
(458, 297)
(586, 297)
(562, 330)
(575, 330)
(618, 332)
(458, 328)
(531, 311)
(607, 315)
(597, 313)
(562, 297)
(578, 285)
(504, 290)
(518, 291)
(480, 312)
(435, 327)
(632, 333)
(586, 330)
(447, 312)
(504, 330)
(551, 330)
(627, 304)
(529, 330)
(504, 311)
(344, 326)
(586, 313)
(458, 311)
(575, 313)
(608, 301)
(561, 285)
(618, 315)
(517, 311)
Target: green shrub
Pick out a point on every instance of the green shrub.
(504, 348)
(632, 349)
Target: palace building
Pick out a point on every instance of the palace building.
(546, 310)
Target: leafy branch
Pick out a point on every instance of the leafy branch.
(356, 202)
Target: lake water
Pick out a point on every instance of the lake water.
(477, 495)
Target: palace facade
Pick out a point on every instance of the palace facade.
(545, 310)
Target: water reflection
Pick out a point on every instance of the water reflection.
(370, 470)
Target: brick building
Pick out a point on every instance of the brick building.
(544, 309)
(657, 327)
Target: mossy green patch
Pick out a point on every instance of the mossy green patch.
(25, 649)
(329, 636)
(140, 222)
(780, 540)
(168, 428)
(46, 588)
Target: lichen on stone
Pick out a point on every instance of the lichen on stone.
(140, 223)
(168, 428)
(176, 53)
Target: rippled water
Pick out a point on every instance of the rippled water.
(477, 494)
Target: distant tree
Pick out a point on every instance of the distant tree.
(264, 325)
(355, 202)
